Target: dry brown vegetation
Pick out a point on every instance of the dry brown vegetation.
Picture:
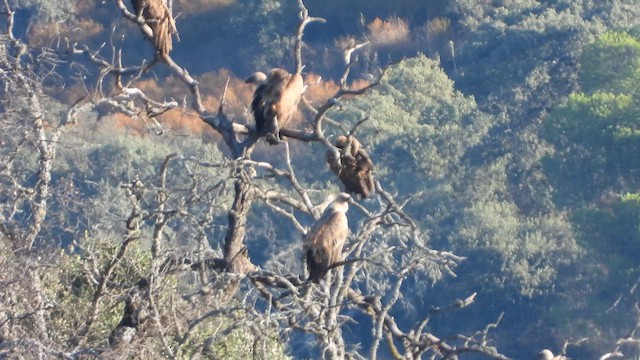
(388, 33)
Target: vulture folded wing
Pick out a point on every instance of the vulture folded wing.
(287, 106)
(271, 97)
(158, 17)
(324, 243)
(257, 108)
(365, 174)
(162, 25)
(275, 101)
(355, 168)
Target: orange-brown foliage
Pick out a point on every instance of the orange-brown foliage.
(42, 34)
(318, 93)
(133, 126)
(151, 88)
(238, 98)
(359, 84)
(391, 32)
(84, 6)
(438, 26)
(436, 33)
(212, 84)
(173, 120)
(179, 121)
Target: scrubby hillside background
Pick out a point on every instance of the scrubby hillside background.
(512, 129)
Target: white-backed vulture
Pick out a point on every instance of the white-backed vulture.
(323, 243)
(546, 354)
(354, 167)
(275, 101)
(157, 15)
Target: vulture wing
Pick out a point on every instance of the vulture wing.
(364, 168)
(158, 17)
(354, 167)
(257, 108)
(275, 100)
(324, 242)
(288, 102)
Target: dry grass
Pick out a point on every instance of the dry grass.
(388, 33)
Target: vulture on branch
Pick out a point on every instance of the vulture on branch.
(354, 167)
(323, 243)
(275, 101)
(157, 15)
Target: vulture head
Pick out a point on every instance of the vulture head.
(157, 16)
(546, 354)
(275, 101)
(353, 166)
(324, 242)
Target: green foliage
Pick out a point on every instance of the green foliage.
(611, 64)
(595, 136)
(619, 224)
(95, 163)
(520, 36)
(419, 122)
(423, 125)
(225, 339)
(524, 254)
(73, 288)
(48, 10)
(596, 139)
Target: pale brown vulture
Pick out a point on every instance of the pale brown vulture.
(275, 101)
(546, 354)
(323, 243)
(354, 167)
(157, 15)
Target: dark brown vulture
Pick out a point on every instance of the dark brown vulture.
(323, 243)
(546, 354)
(275, 100)
(354, 167)
(157, 15)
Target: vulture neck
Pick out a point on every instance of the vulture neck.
(339, 207)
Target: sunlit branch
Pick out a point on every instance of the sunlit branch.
(305, 19)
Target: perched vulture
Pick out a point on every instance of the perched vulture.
(546, 354)
(135, 314)
(157, 15)
(275, 101)
(324, 241)
(354, 168)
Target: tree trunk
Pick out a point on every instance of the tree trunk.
(235, 251)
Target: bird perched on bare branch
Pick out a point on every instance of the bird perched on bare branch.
(157, 16)
(323, 243)
(275, 101)
(354, 168)
(546, 354)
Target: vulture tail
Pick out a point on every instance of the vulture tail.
(163, 41)
(317, 270)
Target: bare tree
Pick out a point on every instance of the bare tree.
(164, 306)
